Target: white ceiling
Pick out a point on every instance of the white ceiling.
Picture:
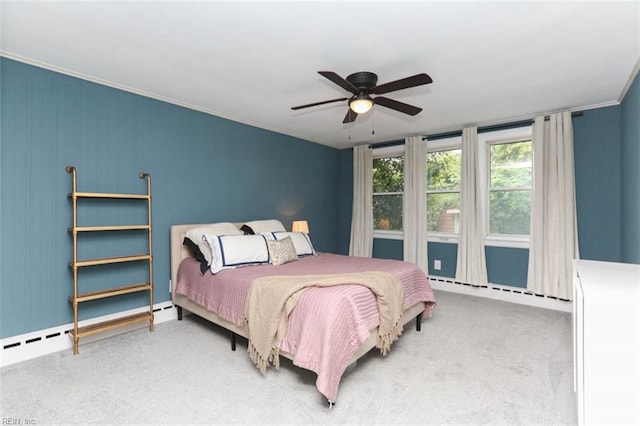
(491, 62)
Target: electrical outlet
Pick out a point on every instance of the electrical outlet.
(437, 265)
(170, 287)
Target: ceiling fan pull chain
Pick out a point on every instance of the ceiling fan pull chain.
(373, 126)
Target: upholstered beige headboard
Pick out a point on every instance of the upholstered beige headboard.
(179, 251)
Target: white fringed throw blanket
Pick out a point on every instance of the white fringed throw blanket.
(271, 299)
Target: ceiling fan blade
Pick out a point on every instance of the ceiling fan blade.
(339, 81)
(318, 103)
(350, 117)
(398, 106)
(403, 83)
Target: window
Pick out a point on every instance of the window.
(506, 174)
(388, 187)
(510, 177)
(443, 191)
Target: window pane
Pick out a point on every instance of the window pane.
(388, 174)
(510, 212)
(443, 170)
(387, 212)
(511, 165)
(443, 212)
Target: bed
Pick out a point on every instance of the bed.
(334, 321)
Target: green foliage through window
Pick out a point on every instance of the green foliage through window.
(388, 185)
(443, 190)
(509, 196)
(510, 188)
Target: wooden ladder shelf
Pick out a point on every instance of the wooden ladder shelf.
(77, 297)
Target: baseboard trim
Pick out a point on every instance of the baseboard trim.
(500, 292)
(43, 342)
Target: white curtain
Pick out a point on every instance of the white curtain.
(414, 201)
(362, 213)
(554, 235)
(471, 267)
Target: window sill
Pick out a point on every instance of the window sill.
(490, 240)
(388, 235)
(507, 241)
(441, 237)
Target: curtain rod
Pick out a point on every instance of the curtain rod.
(494, 127)
(483, 129)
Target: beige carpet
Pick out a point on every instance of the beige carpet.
(476, 361)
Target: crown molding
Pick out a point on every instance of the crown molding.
(632, 77)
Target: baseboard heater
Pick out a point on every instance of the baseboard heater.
(502, 292)
(43, 342)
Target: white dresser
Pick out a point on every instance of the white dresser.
(606, 330)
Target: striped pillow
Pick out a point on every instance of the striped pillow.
(301, 242)
(231, 251)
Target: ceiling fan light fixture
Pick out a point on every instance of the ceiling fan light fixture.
(362, 85)
(360, 105)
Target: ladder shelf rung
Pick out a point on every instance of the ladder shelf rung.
(110, 228)
(108, 195)
(113, 323)
(109, 292)
(110, 260)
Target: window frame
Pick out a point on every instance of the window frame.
(486, 140)
(385, 152)
(444, 144)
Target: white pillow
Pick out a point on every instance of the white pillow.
(231, 251)
(196, 235)
(301, 241)
(262, 226)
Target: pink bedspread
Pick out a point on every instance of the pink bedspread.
(328, 325)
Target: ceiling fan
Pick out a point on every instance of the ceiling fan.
(363, 84)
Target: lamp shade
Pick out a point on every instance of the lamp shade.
(361, 105)
(300, 226)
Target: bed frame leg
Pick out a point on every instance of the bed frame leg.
(179, 313)
(233, 341)
(419, 322)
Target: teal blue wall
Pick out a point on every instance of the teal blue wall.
(630, 172)
(597, 140)
(387, 249)
(505, 265)
(508, 266)
(203, 168)
(603, 196)
(447, 254)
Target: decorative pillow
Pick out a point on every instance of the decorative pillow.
(282, 251)
(301, 241)
(246, 230)
(197, 253)
(262, 226)
(194, 239)
(231, 251)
